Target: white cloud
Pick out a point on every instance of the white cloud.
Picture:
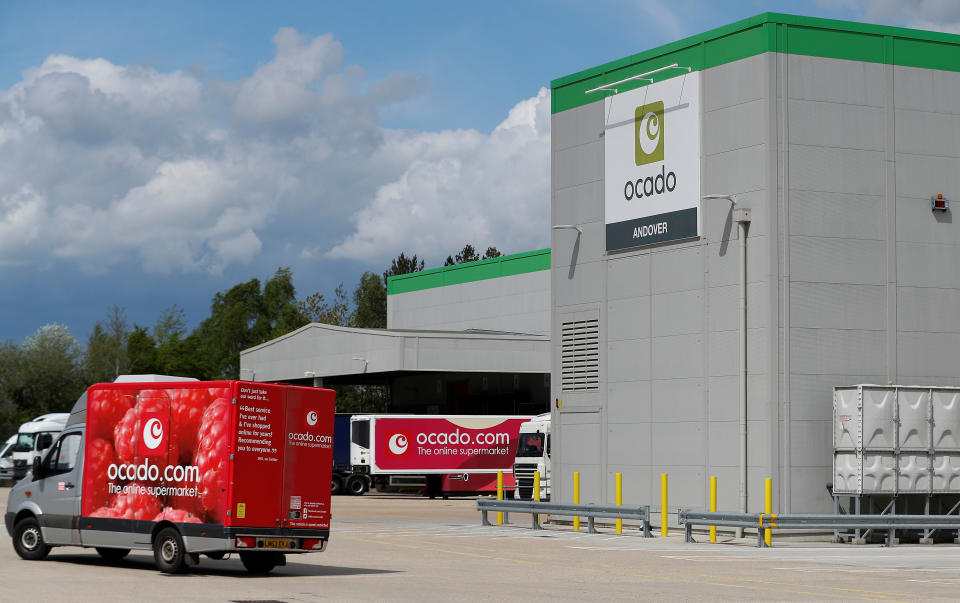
(101, 163)
(464, 187)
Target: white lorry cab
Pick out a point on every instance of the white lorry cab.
(34, 438)
(533, 454)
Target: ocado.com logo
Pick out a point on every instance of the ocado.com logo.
(152, 433)
(398, 443)
(312, 418)
(648, 133)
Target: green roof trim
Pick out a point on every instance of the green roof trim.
(505, 265)
(767, 32)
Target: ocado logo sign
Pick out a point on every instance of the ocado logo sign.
(312, 418)
(152, 434)
(648, 130)
(398, 443)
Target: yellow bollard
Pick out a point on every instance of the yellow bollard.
(576, 499)
(536, 491)
(499, 496)
(713, 506)
(663, 504)
(619, 501)
(768, 507)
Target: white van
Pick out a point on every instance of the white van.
(34, 438)
(6, 458)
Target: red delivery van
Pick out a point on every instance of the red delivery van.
(183, 468)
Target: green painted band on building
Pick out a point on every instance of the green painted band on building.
(507, 265)
(768, 32)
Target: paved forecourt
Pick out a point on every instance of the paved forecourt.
(395, 547)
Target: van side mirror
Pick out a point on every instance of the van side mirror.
(36, 467)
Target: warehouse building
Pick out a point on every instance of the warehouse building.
(465, 339)
(828, 151)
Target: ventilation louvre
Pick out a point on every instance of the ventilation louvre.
(580, 355)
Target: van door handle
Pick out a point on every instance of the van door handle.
(68, 486)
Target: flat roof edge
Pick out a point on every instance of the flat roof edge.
(457, 274)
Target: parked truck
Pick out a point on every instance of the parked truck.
(183, 468)
(454, 454)
(34, 438)
(344, 479)
(533, 454)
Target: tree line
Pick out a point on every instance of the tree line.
(50, 369)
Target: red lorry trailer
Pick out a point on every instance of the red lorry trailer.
(457, 453)
(184, 468)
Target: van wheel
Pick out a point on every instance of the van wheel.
(260, 563)
(168, 551)
(112, 555)
(28, 540)
(357, 485)
(336, 485)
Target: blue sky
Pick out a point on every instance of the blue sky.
(153, 155)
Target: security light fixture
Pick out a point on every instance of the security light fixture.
(576, 227)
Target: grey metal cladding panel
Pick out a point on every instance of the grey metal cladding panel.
(678, 400)
(926, 89)
(808, 492)
(579, 204)
(922, 176)
(629, 443)
(928, 309)
(735, 83)
(836, 170)
(838, 306)
(677, 313)
(628, 402)
(734, 127)
(628, 360)
(811, 396)
(828, 214)
(758, 445)
(724, 392)
(577, 126)
(688, 488)
(676, 270)
(628, 318)
(818, 123)
(834, 260)
(725, 307)
(736, 171)
(920, 265)
(725, 352)
(811, 443)
(578, 165)
(837, 352)
(628, 276)
(569, 247)
(835, 80)
(637, 484)
(724, 261)
(679, 443)
(917, 223)
(585, 287)
(930, 354)
(677, 356)
(724, 447)
(922, 133)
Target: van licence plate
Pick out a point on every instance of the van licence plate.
(276, 544)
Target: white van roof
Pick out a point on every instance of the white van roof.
(50, 422)
(150, 379)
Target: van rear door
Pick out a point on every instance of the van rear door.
(308, 458)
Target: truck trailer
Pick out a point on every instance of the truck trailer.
(456, 454)
(183, 468)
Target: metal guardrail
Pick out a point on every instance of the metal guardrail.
(590, 511)
(763, 522)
